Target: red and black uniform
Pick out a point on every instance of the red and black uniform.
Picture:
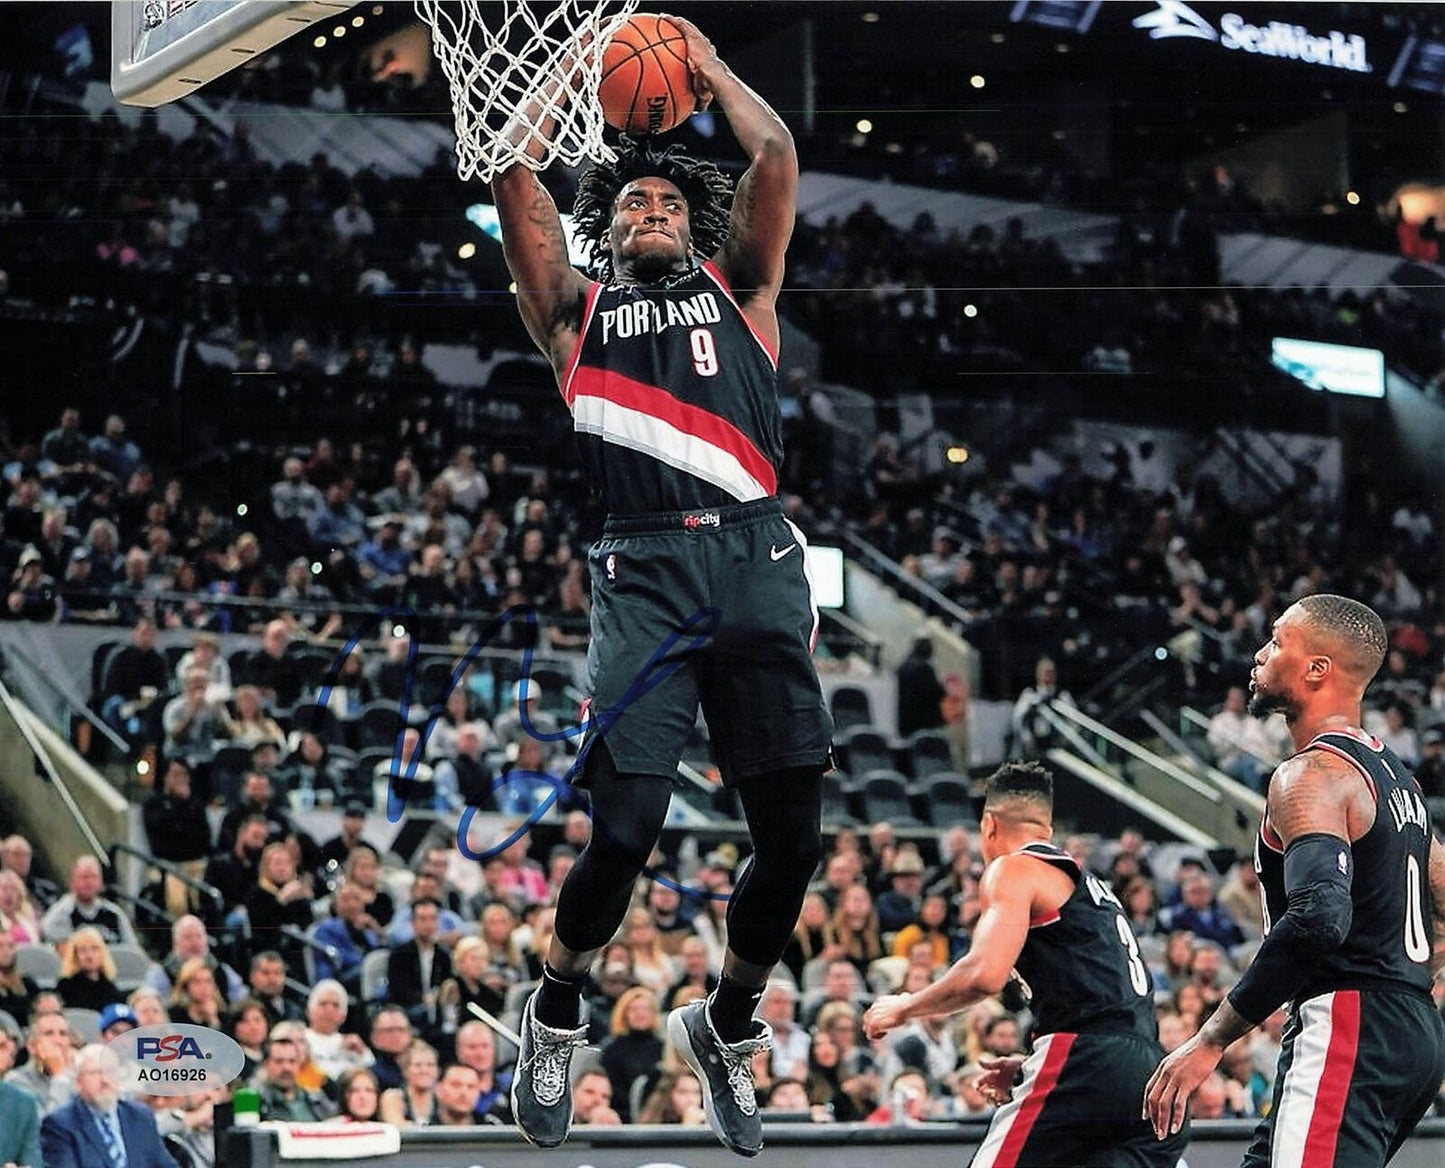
(700, 585)
(1363, 1052)
(1080, 1098)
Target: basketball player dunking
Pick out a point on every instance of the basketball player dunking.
(669, 367)
(1354, 916)
(1095, 1041)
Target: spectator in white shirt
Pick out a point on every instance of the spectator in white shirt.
(331, 1050)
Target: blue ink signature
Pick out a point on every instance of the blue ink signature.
(665, 661)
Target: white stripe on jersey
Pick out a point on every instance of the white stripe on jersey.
(636, 430)
(1005, 1117)
(1302, 1083)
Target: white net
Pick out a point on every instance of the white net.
(523, 77)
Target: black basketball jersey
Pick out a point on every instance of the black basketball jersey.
(1081, 965)
(674, 397)
(1390, 933)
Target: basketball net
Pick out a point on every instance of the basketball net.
(501, 57)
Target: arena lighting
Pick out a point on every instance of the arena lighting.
(957, 455)
(241, 509)
(142, 767)
(398, 631)
(319, 42)
(870, 18)
(970, 310)
(339, 31)
(864, 126)
(512, 287)
(1352, 198)
(977, 81)
(377, 10)
(1400, 107)
(1161, 654)
(357, 21)
(316, 568)
(467, 250)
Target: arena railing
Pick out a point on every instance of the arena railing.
(1219, 1143)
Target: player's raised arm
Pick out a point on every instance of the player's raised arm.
(1006, 895)
(550, 291)
(1315, 799)
(765, 203)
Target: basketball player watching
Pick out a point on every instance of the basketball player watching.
(1354, 915)
(669, 366)
(1095, 1040)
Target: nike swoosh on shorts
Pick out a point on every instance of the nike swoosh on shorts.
(778, 555)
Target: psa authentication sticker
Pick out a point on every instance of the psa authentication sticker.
(176, 1058)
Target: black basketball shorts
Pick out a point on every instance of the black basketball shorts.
(710, 607)
(1079, 1103)
(1357, 1070)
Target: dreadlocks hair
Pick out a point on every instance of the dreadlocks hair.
(707, 190)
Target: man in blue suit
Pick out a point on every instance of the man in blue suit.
(98, 1129)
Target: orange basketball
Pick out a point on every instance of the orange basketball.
(646, 87)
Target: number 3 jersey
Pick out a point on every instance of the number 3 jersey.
(674, 397)
(1389, 942)
(1081, 963)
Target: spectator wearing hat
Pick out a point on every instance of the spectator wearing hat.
(353, 824)
(383, 561)
(32, 593)
(19, 1113)
(511, 727)
(115, 1020)
(899, 904)
(1183, 568)
(82, 596)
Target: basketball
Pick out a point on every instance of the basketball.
(646, 87)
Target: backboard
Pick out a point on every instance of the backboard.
(162, 50)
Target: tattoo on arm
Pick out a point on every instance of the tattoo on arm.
(1310, 797)
(567, 314)
(1224, 1026)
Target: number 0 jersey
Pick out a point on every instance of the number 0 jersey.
(674, 397)
(1081, 964)
(1389, 942)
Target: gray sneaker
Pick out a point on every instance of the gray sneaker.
(541, 1089)
(725, 1071)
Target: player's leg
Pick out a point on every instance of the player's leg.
(719, 1036)
(627, 816)
(1117, 1068)
(631, 755)
(1039, 1126)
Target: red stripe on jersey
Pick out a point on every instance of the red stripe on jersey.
(1349, 758)
(593, 289)
(1046, 919)
(1329, 1109)
(721, 281)
(1033, 1106)
(693, 420)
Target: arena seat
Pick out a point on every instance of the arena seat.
(377, 725)
(943, 798)
(85, 1023)
(131, 966)
(40, 963)
(851, 707)
(373, 975)
(883, 795)
(835, 799)
(863, 749)
(929, 752)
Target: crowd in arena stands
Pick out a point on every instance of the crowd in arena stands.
(1067, 564)
(374, 1024)
(1001, 301)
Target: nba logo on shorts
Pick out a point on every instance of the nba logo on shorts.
(611, 566)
